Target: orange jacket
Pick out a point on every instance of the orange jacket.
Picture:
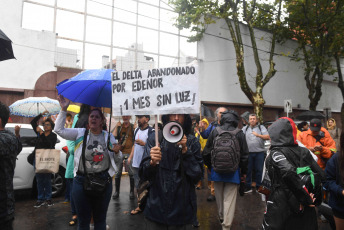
(328, 145)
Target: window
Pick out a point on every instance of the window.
(125, 11)
(167, 62)
(148, 16)
(124, 35)
(69, 24)
(94, 56)
(148, 39)
(101, 8)
(78, 5)
(98, 30)
(168, 44)
(167, 19)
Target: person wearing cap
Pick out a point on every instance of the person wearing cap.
(141, 134)
(319, 141)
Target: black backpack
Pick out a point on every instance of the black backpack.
(225, 156)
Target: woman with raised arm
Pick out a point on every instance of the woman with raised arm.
(94, 166)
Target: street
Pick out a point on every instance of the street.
(248, 215)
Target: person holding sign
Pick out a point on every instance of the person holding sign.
(173, 173)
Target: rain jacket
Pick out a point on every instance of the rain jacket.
(329, 145)
(287, 190)
(334, 184)
(71, 145)
(202, 140)
(10, 147)
(169, 202)
(229, 121)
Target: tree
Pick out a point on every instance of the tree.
(315, 25)
(197, 14)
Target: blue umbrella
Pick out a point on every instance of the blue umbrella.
(32, 106)
(91, 87)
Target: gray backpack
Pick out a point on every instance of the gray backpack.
(225, 156)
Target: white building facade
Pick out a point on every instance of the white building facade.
(219, 82)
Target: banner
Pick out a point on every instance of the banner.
(171, 90)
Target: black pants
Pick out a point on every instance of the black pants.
(8, 225)
(151, 225)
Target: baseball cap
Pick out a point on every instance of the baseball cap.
(315, 125)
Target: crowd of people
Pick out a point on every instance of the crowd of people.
(304, 167)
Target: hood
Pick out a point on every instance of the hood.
(230, 118)
(245, 116)
(283, 132)
(206, 122)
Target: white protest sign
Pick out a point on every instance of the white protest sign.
(171, 90)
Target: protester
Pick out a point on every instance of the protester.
(290, 169)
(10, 147)
(77, 123)
(205, 134)
(334, 131)
(335, 184)
(69, 121)
(99, 163)
(226, 184)
(173, 173)
(255, 135)
(303, 126)
(45, 140)
(245, 118)
(140, 138)
(202, 125)
(319, 141)
(124, 133)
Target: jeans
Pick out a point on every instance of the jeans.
(136, 177)
(119, 166)
(88, 206)
(43, 186)
(255, 160)
(69, 181)
(72, 204)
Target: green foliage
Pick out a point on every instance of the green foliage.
(197, 14)
(318, 28)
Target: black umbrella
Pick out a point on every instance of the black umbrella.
(206, 111)
(309, 115)
(6, 51)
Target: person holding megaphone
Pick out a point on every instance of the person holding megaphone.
(172, 168)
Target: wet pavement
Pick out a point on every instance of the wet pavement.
(248, 214)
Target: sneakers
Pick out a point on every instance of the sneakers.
(39, 203)
(247, 190)
(211, 198)
(50, 203)
(92, 227)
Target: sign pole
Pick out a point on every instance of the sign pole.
(156, 131)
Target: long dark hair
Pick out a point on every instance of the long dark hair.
(83, 116)
(341, 157)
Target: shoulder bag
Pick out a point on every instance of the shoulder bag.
(95, 183)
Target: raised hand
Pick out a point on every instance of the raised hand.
(64, 102)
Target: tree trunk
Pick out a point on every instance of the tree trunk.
(258, 105)
(340, 84)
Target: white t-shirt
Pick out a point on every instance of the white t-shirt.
(138, 149)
